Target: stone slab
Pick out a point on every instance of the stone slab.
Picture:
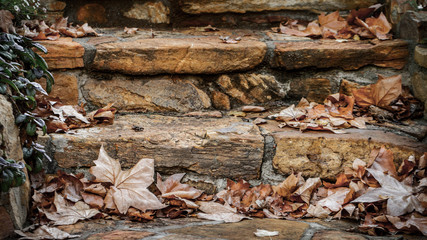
(347, 55)
(420, 56)
(146, 94)
(245, 230)
(413, 26)
(63, 54)
(178, 56)
(324, 155)
(220, 148)
(242, 6)
(65, 87)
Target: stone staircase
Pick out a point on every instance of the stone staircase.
(156, 77)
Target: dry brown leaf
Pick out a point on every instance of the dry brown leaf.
(337, 199)
(172, 187)
(306, 191)
(66, 215)
(419, 222)
(94, 201)
(234, 192)
(382, 160)
(45, 232)
(342, 181)
(130, 31)
(290, 114)
(218, 212)
(129, 187)
(96, 188)
(318, 211)
(381, 94)
(253, 109)
(287, 187)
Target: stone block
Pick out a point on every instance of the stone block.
(413, 26)
(220, 100)
(65, 87)
(248, 88)
(147, 94)
(154, 12)
(348, 56)
(324, 155)
(63, 54)
(313, 89)
(178, 56)
(219, 148)
(242, 6)
(420, 56)
(93, 13)
(419, 83)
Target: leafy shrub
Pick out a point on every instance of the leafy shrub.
(20, 67)
(23, 9)
(11, 174)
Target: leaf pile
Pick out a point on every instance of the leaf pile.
(364, 23)
(40, 30)
(62, 118)
(385, 199)
(384, 100)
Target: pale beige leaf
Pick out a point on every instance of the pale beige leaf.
(305, 191)
(173, 187)
(45, 232)
(335, 201)
(318, 211)
(66, 215)
(139, 198)
(226, 217)
(106, 169)
(287, 187)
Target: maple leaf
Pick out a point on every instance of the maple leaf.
(337, 197)
(400, 198)
(129, 187)
(419, 222)
(381, 94)
(66, 215)
(289, 114)
(305, 191)
(173, 187)
(287, 187)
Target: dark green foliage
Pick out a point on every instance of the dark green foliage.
(11, 174)
(24, 9)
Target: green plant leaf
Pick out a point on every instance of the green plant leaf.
(20, 119)
(40, 47)
(31, 129)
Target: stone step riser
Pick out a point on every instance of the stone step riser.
(189, 73)
(211, 150)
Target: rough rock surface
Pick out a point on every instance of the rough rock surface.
(313, 89)
(251, 87)
(420, 56)
(348, 56)
(322, 154)
(153, 94)
(242, 6)
(63, 53)
(66, 87)
(154, 12)
(178, 56)
(413, 26)
(220, 148)
(93, 13)
(16, 201)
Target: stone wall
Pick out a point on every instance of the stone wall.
(15, 203)
(149, 13)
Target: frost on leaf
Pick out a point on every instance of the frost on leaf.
(129, 187)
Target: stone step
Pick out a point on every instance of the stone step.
(188, 70)
(228, 147)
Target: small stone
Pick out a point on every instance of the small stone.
(92, 13)
(347, 87)
(253, 109)
(65, 87)
(419, 83)
(251, 88)
(211, 114)
(237, 114)
(220, 100)
(119, 235)
(313, 89)
(346, 55)
(337, 235)
(154, 12)
(259, 121)
(53, 5)
(420, 56)
(63, 54)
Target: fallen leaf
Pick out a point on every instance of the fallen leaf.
(382, 160)
(419, 222)
(287, 187)
(342, 181)
(129, 187)
(94, 201)
(265, 233)
(45, 232)
(253, 109)
(173, 187)
(218, 212)
(130, 31)
(318, 211)
(305, 191)
(66, 215)
(289, 114)
(400, 198)
(381, 94)
(337, 199)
